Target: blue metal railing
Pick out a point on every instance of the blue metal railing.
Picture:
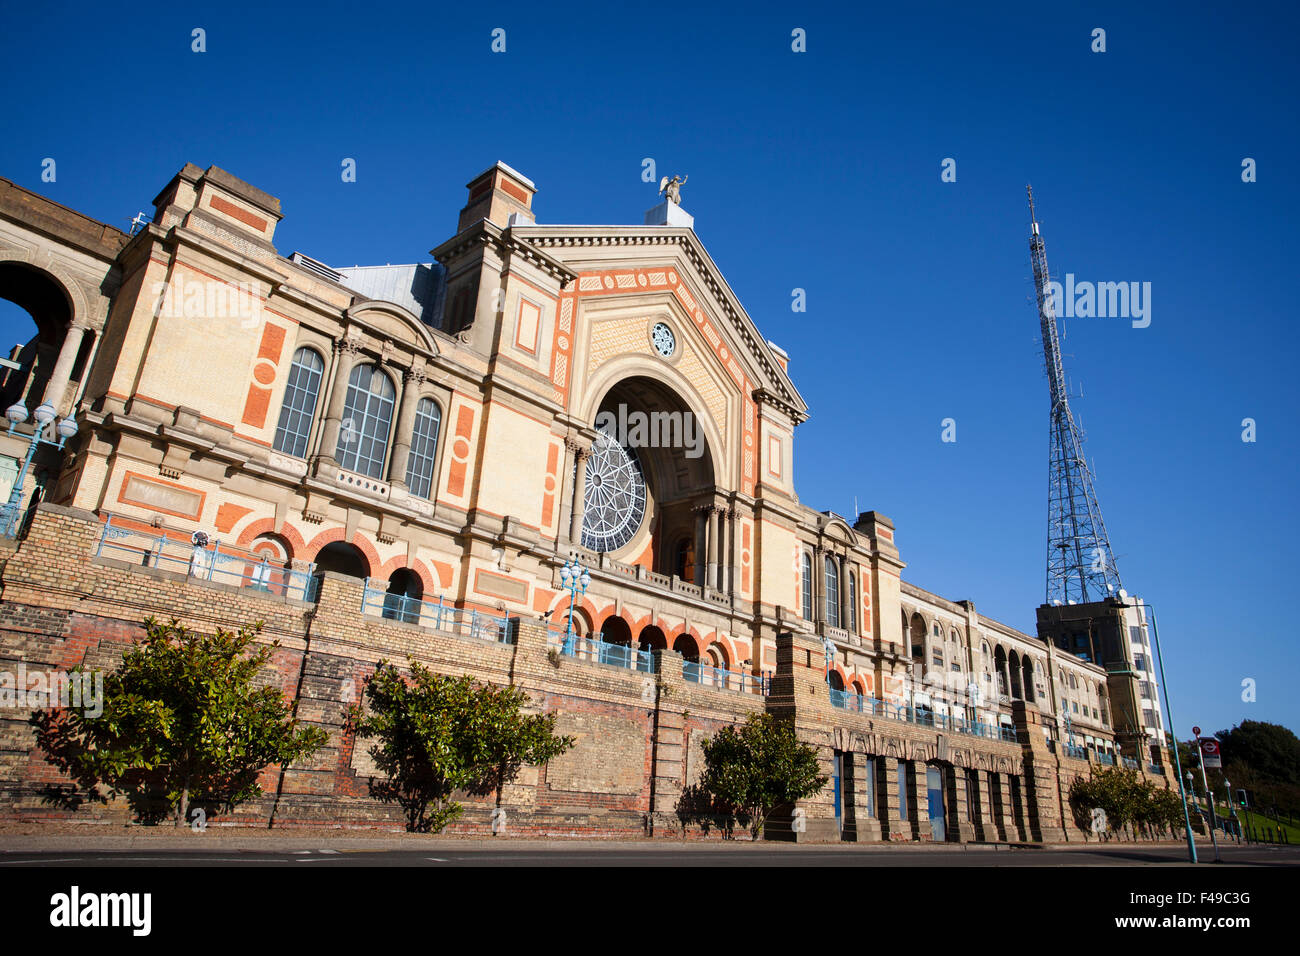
(847, 700)
(708, 676)
(1075, 751)
(214, 562)
(1156, 769)
(438, 615)
(1107, 759)
(1130, 763)
(925, 716)
(596, 651)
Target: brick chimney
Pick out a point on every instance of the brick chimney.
(498, 194)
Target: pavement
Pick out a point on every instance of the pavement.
(95, 846)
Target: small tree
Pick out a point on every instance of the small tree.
(182, 723)
(1126, 798)
(436, 735)
(750, 771)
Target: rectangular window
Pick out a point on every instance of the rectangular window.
(871, 787)
(902, 790)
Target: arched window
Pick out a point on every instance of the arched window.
(424, 448)
(853, 602)
(832, 592)
(363, 439)
(807, 586)
(299, 403)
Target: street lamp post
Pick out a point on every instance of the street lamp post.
(575, 579)
(1169, 716)
(48, 432)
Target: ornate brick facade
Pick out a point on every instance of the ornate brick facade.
(415, 439)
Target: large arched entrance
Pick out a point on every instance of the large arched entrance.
(35, 320)
(649, 484)
(40, 360)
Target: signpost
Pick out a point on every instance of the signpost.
(1209, 750)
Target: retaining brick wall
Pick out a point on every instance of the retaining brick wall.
(638, 734)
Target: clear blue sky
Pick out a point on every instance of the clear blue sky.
(820, 171)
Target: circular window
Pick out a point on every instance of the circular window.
(614, 502)
(664, 340)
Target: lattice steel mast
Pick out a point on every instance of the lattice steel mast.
(1080, 564)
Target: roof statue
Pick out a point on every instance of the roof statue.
(672, 188)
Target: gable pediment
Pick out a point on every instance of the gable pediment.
(632, 260)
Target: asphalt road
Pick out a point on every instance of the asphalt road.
(462, 853)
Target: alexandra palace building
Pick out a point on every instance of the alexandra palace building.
(390, 461)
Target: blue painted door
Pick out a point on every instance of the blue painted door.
(934, 784)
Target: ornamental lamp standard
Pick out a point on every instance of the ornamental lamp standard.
(47, 432)
(575, 579)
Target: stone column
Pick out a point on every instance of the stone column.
(412, 384)
(346, 356)
(580, 455)
(712, 578)
(57, 386)
(920, 800)
(865, 826)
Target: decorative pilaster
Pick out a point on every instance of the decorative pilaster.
(412, 385)
(844, 591)
(346, 355)
(919, 800)
(893, 827)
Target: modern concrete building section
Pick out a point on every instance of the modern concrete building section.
(393, 460)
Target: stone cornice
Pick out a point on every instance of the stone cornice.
(486, 233)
